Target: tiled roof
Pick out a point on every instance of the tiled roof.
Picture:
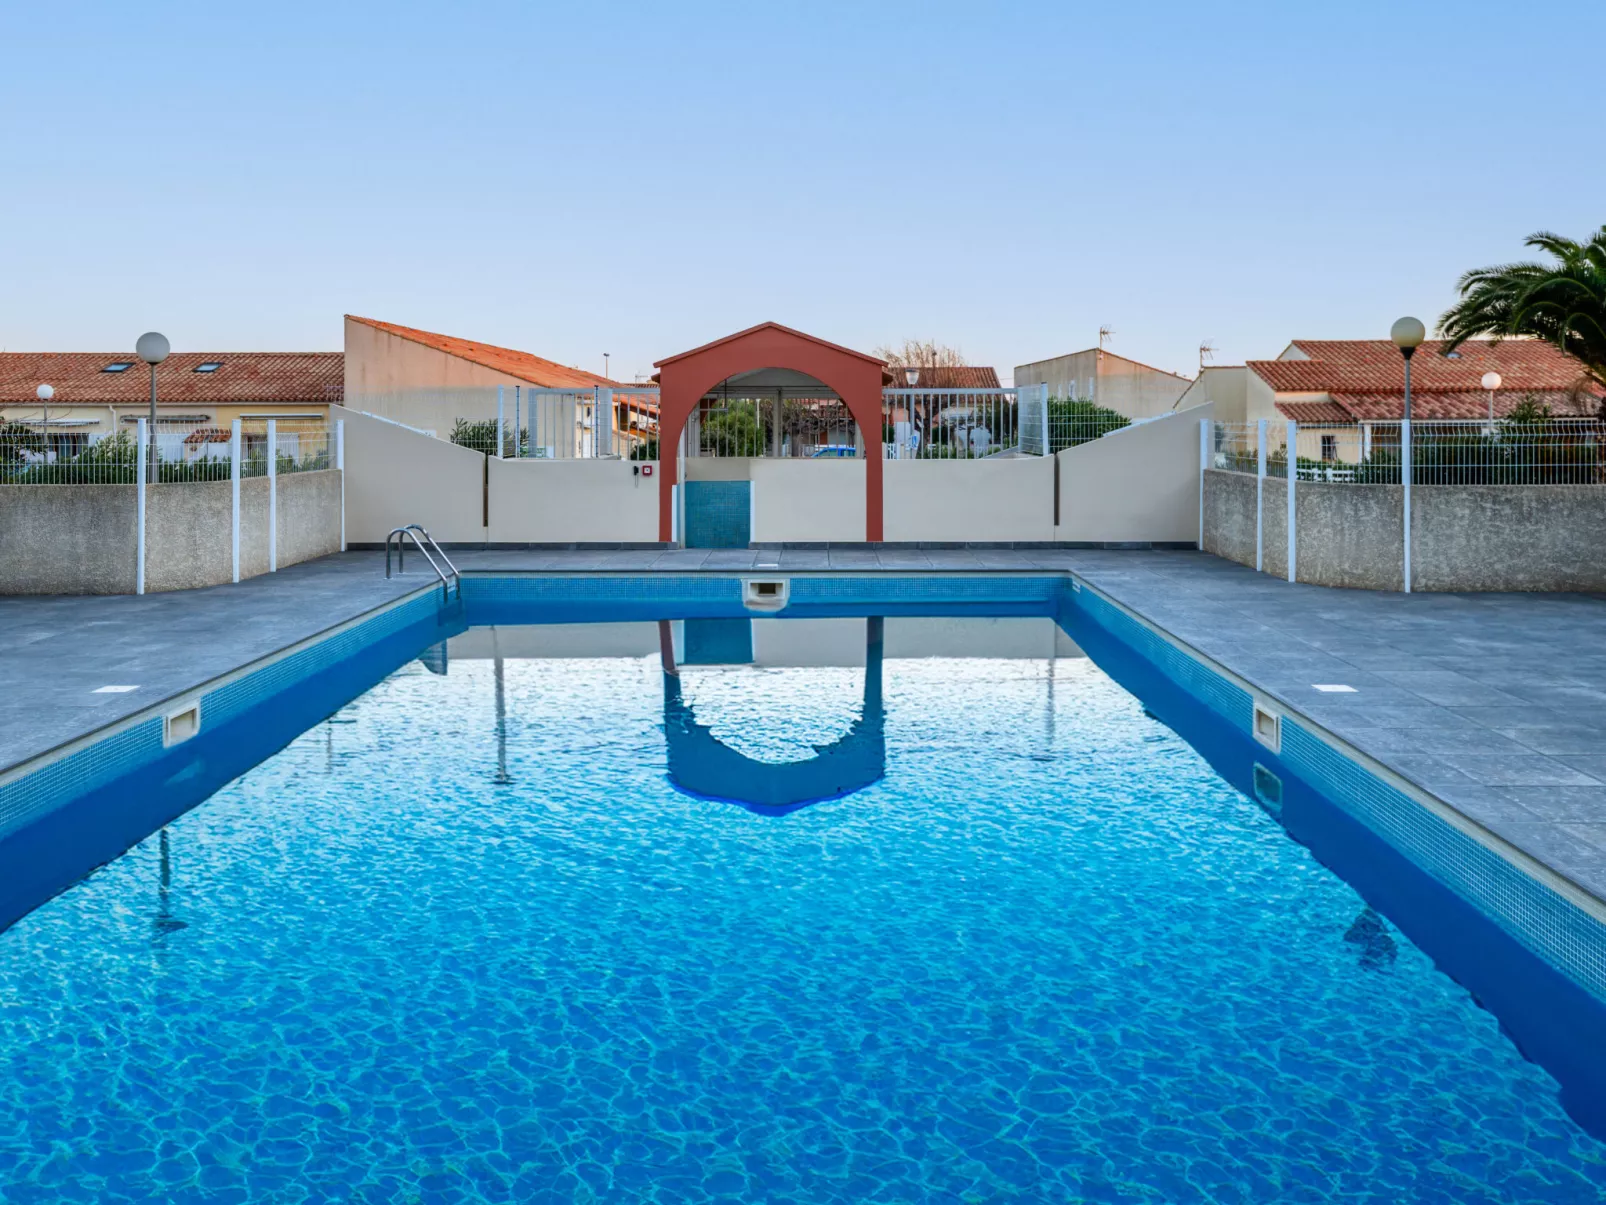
(769, 326)
(297, 377)
(1316, 412)
(547, 374)
(958, 377)
(1474, 404)
(1374, 366)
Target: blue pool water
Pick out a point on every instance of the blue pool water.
(466, 941)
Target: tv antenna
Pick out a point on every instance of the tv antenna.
(1207, 351)
(1106, 333)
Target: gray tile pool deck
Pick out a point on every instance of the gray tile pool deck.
(1494, 703)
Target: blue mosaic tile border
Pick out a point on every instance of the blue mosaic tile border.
(1549, 924)
(30, 795)
(598, 588)
(806, 589)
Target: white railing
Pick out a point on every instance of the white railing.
(1510, 451)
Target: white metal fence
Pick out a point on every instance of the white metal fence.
(168, 452)
(181, 453)
(1550, 451)
(1509, 452)
(561, 424)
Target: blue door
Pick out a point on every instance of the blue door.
(719, 514)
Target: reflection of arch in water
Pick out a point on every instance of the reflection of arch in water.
(700, 764)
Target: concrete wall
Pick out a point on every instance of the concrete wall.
(395, 476)
(1229, 516)
(572, 501)
(1530, 537)
(1473, 538)
(69, 539)
(309, 516)
(1125, 386)
(1140, 483)
(809, 501)
(189, 533)
(84, 539)
(982, 500)
(1352, 535)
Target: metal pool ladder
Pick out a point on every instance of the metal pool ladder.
(412, 531)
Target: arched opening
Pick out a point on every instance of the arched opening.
(701, 764)
(765, 392)
(773, 412)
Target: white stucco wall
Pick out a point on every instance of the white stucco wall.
(972, 500)
(808, 501)
(573, 501)
(394, 477)
(1140, 483)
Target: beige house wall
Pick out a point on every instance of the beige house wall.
(1138, 484)
(573, 501)
(1125, 386)
(395, 476)
(1007, 499)
(808, 501)
(1225, 387)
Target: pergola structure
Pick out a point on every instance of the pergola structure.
(826, 369)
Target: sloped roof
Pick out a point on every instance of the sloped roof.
(774, 326)
(1474, 404)
(1374, 366)
(546, 374)
(967, 376)
(249, 376)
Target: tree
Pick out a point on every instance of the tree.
(922, 353)
(1563, 303)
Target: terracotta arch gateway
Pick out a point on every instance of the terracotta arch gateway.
(683, 380)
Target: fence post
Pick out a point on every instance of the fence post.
(1405, 481)
(143, 440)
(234, 492)
(340, 463)
(1292, 458)
(273, 496)
(518, 441)
(1204, 463)
(602, 421)
(501, 424)
(1048, 444)
(1260, 495)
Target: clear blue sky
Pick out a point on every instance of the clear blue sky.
(638, 178)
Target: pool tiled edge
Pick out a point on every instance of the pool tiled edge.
(1534, 903)
(41, 783)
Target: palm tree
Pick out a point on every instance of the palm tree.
(1563, 303)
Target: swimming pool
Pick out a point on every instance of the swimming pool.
(527, 920)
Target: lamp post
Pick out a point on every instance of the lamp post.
(152, 348)
(1407, 334)
(1491, 382)
(44, 393)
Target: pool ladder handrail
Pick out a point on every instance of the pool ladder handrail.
(413, 531)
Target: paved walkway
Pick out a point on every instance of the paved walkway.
(1495, 703)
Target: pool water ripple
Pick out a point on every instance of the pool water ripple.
(1050, 957)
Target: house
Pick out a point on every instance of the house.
(100, 393)
(1095, 375)
(430, 381)
(1337, 388)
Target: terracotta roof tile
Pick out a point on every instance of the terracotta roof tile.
(242, 376)
(546, 374)
(1315, 412)
(968, 376)
(1374, 366)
